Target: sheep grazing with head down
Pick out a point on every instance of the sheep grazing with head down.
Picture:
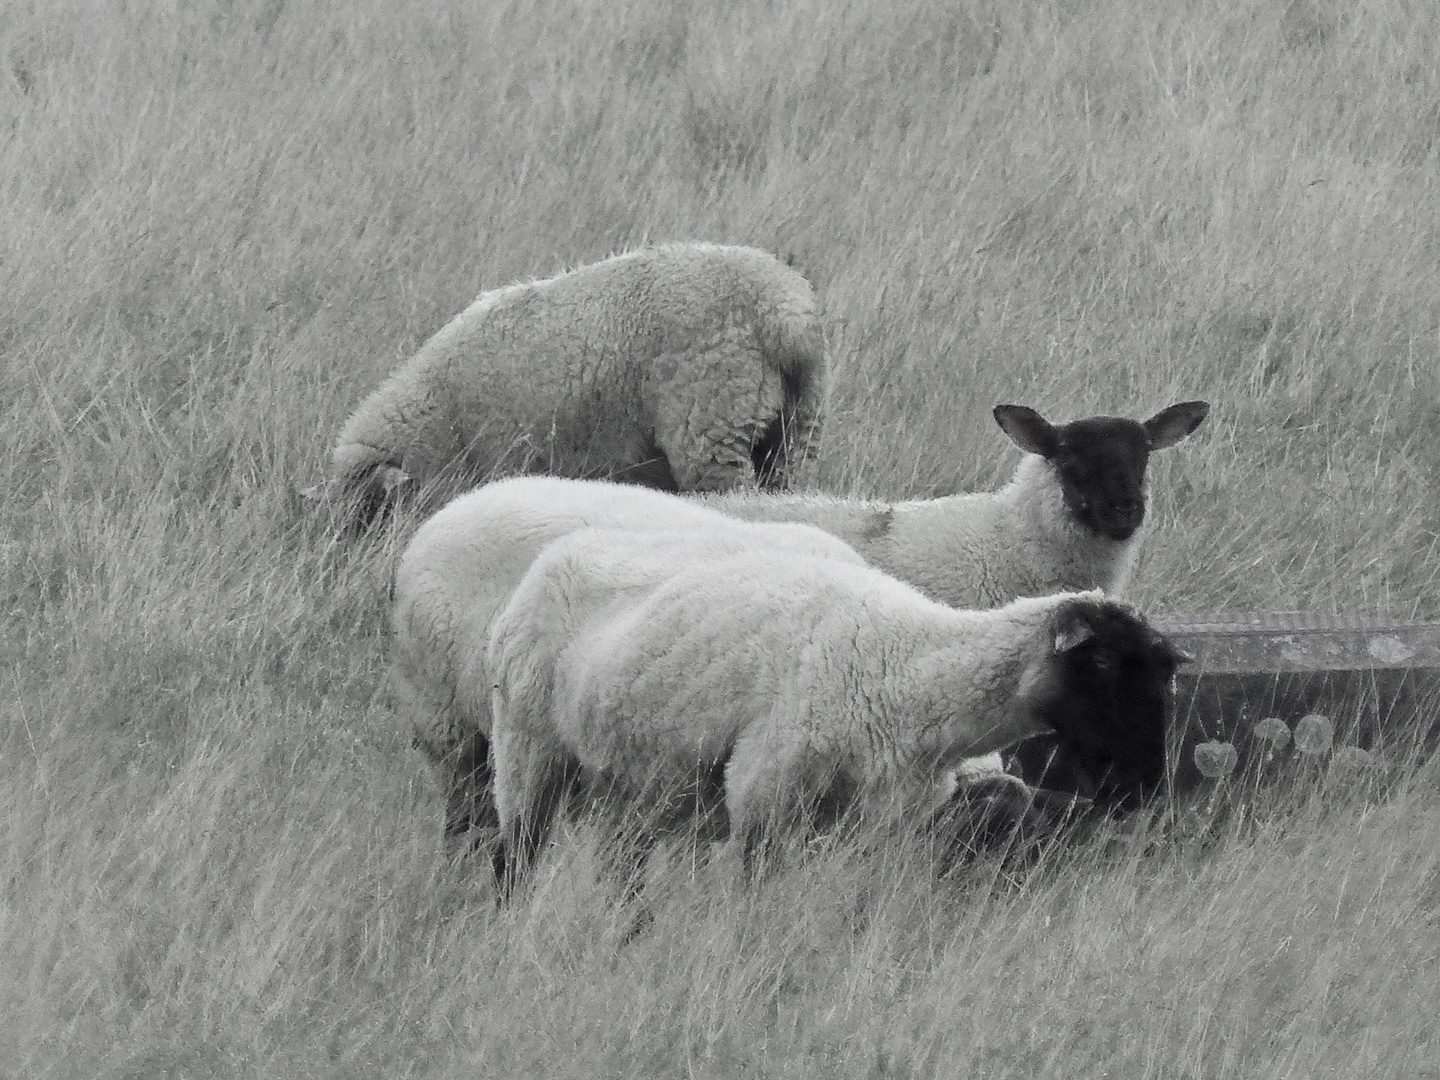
(716, 677)
(458, 572)
(689, 366)
(1069, 519)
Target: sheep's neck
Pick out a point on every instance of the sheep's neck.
(983, 550)
(966, 693)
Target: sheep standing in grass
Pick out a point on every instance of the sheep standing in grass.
(689, 366)
(458, 572)
(705, 676)
(1069, 519)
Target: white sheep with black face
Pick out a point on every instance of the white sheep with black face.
(689, 366)
(1070, 518)
(700, 674)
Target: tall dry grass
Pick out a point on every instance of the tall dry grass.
(220, 223)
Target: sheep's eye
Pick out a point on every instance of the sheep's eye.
(1102, 664)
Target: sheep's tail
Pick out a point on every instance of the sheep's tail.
(793, 340)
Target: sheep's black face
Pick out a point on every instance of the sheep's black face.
(1100, 461)
(1101, 464)
(1109, 698)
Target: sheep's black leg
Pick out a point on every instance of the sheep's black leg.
(629, 859)
(515, 854)
(470, 800)
(768, 456)
(757, 848)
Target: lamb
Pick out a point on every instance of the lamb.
(711, 676)
(458, 572)
(1069, 519)
(685, 366)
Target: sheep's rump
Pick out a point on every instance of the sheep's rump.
(686, 366)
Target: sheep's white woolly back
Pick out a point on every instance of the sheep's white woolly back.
(970, 551)
(636, 659)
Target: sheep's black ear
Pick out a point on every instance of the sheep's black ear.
(1169, 426)
(1164, 650)
(1028, 429)
(1072, 629)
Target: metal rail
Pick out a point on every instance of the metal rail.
(1292, 641)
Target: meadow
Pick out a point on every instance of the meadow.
(222, 221)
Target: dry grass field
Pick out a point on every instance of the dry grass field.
(221, 221)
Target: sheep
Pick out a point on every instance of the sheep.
(458, 572)
(685, 366)
(1069, 519)
(709, 675)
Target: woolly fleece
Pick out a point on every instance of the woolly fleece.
(976, 550)
(1072, 516)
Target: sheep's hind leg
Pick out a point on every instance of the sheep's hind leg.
(470, 817)
(533, 780)
(626, 857)
(712, 409)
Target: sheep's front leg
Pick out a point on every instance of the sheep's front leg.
(775, 784)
